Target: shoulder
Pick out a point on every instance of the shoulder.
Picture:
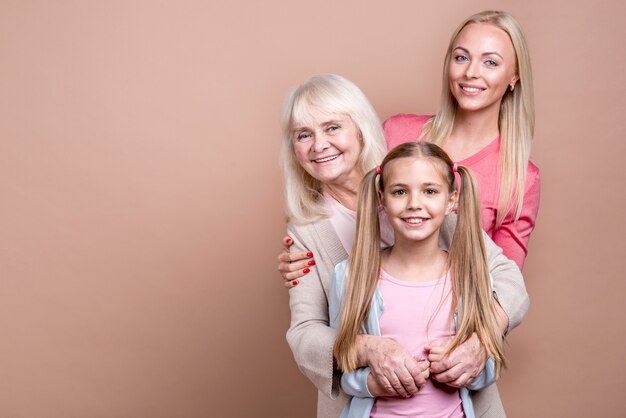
(533, 179)
(309, 227)
(405, 121)
(321, 238)
(310, 234)
(532, 171)
(403, 128)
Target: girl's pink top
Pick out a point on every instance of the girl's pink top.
(416, 314)
(513, 235)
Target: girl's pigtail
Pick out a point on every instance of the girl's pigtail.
(471, 280)
(363, 272)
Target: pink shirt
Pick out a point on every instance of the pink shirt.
(513, 235)
(415, 314)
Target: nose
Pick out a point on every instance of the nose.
(320, 143)
(473, 69)
(415, 202)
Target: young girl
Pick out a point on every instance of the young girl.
(413, 291)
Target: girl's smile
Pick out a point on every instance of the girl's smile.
(416, 198)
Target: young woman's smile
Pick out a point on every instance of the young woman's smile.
(482, 67)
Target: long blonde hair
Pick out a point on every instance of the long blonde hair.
(471, 287)
(328, 93)
(516, 118)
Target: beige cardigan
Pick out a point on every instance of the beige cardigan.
(311, 338)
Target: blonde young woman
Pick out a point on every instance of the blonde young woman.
(332, 136)
(486, 123)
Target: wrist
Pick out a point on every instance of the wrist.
(362, 358)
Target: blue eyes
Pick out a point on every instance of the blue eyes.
(402, 192)
(303, 136)
(307, 135)
(463, 58)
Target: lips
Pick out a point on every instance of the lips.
(415, 220)
(326, 159)
(471, 89)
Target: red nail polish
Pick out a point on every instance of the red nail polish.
(295, 282)
(288, 240)
(305, 271)
(311, 262)
(309, 254)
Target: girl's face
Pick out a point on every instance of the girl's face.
(328, 147)
(416, 198)
(482, 67)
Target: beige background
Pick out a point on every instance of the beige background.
(141, 203)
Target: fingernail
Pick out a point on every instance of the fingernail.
(309, 254)
(311, 262)
(305, 271)
(295, 282)
(288, 240)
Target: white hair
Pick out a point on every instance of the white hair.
(329, 93)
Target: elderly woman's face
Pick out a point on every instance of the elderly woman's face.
(328, 148)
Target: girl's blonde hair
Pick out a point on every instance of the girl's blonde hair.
(332, 94)
(471, 285)
(517, 114)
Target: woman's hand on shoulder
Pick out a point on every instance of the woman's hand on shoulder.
(292, 266)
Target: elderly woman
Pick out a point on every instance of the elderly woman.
(332, 136)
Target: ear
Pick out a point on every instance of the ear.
(452, 201)
(514, 80)
(381, 198)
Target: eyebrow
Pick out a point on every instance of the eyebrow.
(483, 54)
(421, 185)
(325, 123)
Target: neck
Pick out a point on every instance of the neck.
(472, 131)
(415, 260)
(346, 193)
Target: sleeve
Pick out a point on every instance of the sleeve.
(513, 235)
(485, 378)
(508, 284)
(354, 383)
(310, 337)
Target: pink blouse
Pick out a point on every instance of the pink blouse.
(513, 235)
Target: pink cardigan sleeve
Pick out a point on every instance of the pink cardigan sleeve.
(513, 235)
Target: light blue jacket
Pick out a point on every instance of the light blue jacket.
(355, 383)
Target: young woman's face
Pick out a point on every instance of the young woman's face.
(328, 147)
(482, 67)
(416, 198)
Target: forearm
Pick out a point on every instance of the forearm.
(508, 286)
(312, 348)
(310, 336)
